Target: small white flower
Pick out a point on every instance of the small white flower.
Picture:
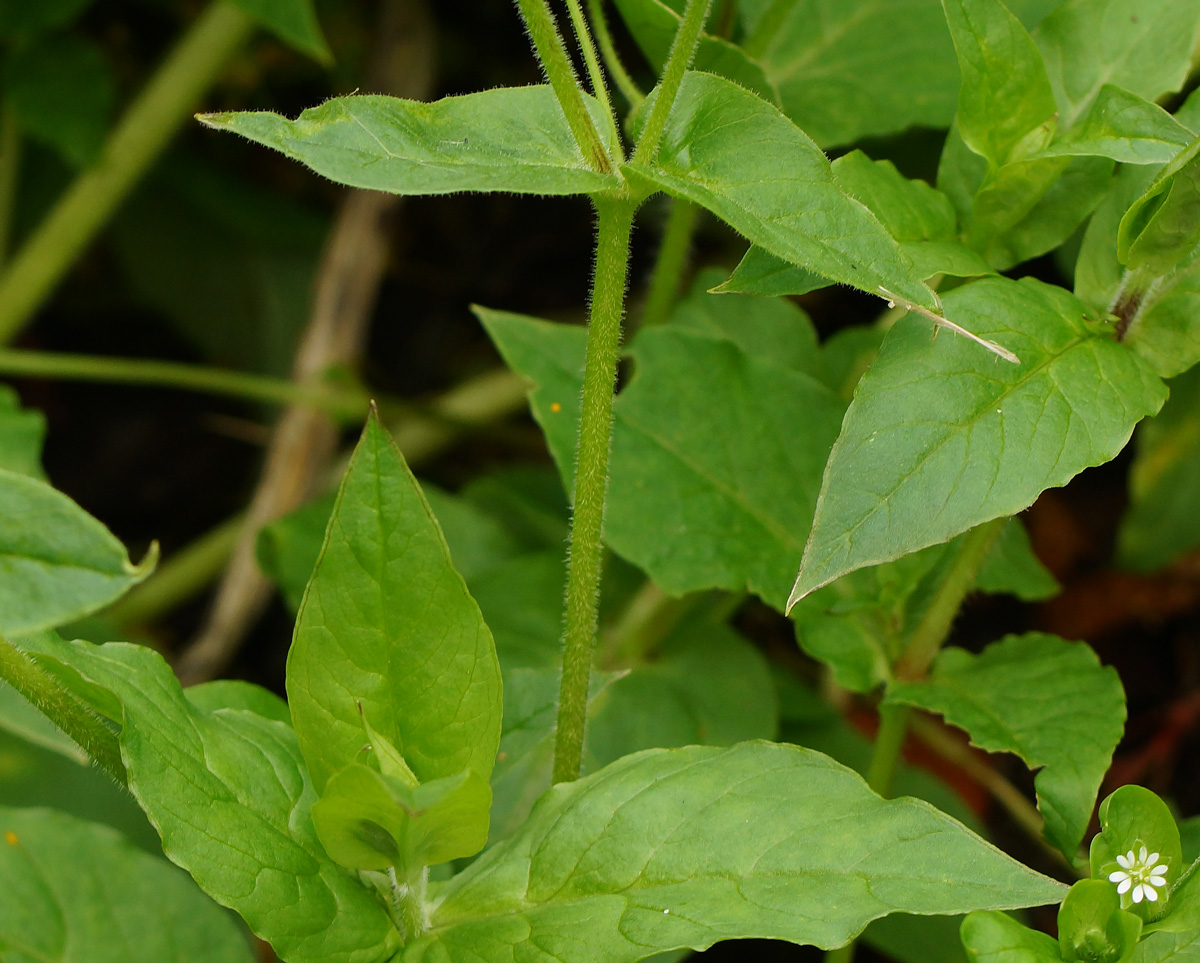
(1140, 873)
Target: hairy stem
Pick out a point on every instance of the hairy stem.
(615, 224)
(142, 134)
(548, 45)
(683, 49)
(587, 47)
(672, 256)
(930, 635)
(346, 403)
(93, 735)
(608, 50)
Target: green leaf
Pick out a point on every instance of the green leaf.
(1142, 46)
(768, 329)
(75, 892)
(1162, 227)
(1133, 817)
(711, 480)
(1011, 568)
(1163, 518)
(388, 633)
(63, 92)
(849, 70)
(368, 820)
(1124, 127)
(1046, 700)
(292, 21)
(512, 139)
(1092, 927)
(1006, 108)
(22, 431)
(926, 449)
(57, 563)
(991, 937)
(782, 195)
(681, 848)
(762, 273)
(229, 795)
(653, 25)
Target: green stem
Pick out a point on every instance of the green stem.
(72, 716)
(672, 256)
(930, 634)
(615, 224)
(138, 139)
(409, 898)
(10, 165)
(625, 83)
(767, 27)
(348, 404)
(683, 49)
(548, 44)
(587, 47)
(889, 742)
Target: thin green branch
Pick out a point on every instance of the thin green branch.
(142, 134)
(550, 50)
(672, 258)
(608, 50)
(615, 224)
(683, 49)
(91, 733)
(346, 403)
(587, 47)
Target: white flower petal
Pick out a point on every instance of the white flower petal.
(1125, 884)
(1159, 870)
(1143, 855)
(1151, 893)
(1126, 861)
(1137, 894)
(1157, 880)
(1117, 876)
(1152, 858)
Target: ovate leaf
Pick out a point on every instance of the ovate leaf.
(782, 195)
(1006, 109)
(1142, 46)
(294, 22)
(512, 139)
(847, 70)
(228, 792)
(681, 848)
(1124, 127)
(1046, 700)
(710, 479)
(388, 634)
(1133, 819)
(76, 892)
(57, 563)
(991, 937)
(942, 436)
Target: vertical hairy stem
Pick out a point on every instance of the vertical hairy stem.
(74, 718)
(408, 899)
(167, 100)
(683, 49)
(672, 256)
(548, 44)
(608, 49)
(587, 47)
(615, 224)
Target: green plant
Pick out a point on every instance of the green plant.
(739, 447)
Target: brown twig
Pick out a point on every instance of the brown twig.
(347, 284)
